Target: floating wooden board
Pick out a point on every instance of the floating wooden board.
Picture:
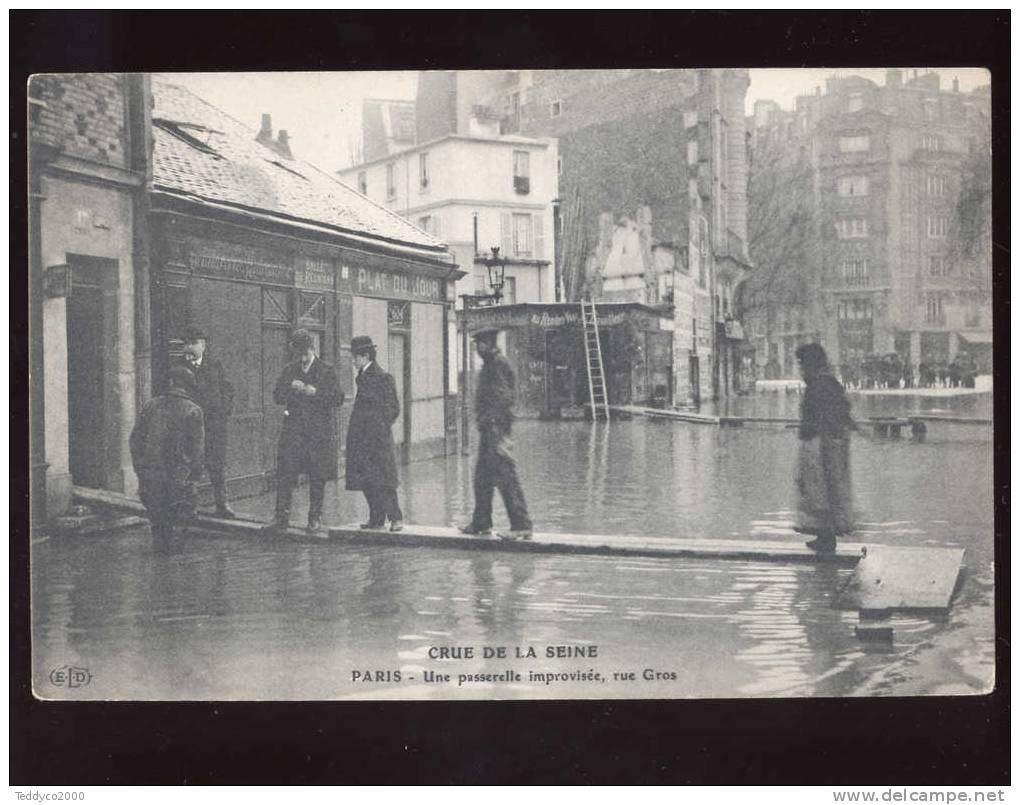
(603, 544)
(901, 579)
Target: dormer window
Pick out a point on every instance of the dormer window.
(423, 171)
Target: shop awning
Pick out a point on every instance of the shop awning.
(983, 337)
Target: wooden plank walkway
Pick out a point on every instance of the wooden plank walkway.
(903, 579)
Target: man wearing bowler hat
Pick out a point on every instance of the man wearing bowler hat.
(309, 391)
(371, 464)
(495, 468)
(215, 395)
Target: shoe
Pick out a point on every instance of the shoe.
(224, 512)
(371, 526)
(520, 533)
(476, 531)
(397, 525)
(822, 544)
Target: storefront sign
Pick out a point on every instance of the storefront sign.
(494, 317)
(312, 273)
(373, 282)
(241, 264)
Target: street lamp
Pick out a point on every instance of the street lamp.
(495, 268)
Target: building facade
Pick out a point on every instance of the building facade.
(89, 146)
(652, 189)
(891, 167)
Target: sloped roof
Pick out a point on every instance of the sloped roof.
(201, 151)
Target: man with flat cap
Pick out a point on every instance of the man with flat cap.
(495, 468)
(215, 395)
(309, 391)
(168, 452)
(371, 463)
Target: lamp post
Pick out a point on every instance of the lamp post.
(495, 268)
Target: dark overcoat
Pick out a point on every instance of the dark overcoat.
(308, 439)
(215, 395)
(494, 399)
(371, 460)
(168, 452)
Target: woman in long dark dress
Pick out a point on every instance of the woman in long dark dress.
(824, 494)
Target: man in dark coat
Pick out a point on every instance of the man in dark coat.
(215, 395)
(310, 392)
(494, 401)
(168, 451)
(371, 465)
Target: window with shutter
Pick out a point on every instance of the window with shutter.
(505, 234)
(539, 232)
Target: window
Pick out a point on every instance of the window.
(936, 185)
(513, 120)
(703, 246)
(931, 142)
(854, 102)
(933, 313)
(522, 234)
(363, 183)
(938, 266)
(559, 166)
(854, 143)
(854, 309)
(937, 226)
(423, 171)
(391, 181)
(855, 271)
(509, 290)
(522, 172)
(556, 109)
(848, 228)
(425, 223)
(930, 108)
(853, 185)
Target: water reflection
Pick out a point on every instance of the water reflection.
(205, 618)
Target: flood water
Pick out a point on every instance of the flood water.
(228, 618)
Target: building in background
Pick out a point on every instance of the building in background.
(387, 126)
(652, 171)
(89, 143)
(900, 258)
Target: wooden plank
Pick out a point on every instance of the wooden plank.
(896, 578)
(602, 544)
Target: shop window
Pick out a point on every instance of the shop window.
(313, 310)
(277, 305)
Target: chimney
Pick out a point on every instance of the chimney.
(265, 134)
(283, 145)
(894, 79)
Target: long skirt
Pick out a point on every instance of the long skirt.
(824, 492)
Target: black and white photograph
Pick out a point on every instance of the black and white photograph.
(457, 384)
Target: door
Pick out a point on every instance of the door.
(86, 354)
(274, 358)
(395, 366)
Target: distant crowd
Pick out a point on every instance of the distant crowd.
(892, 372)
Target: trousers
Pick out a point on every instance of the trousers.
(382, 504)
(496, 469)
(285, 484)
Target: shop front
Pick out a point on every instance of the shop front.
(545, 347)
(248, 288)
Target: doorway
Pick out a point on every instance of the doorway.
(91, 356)
(397, 367)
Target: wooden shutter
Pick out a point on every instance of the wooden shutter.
(538, 233)
(506, 234)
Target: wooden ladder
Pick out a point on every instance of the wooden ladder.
(596, 369)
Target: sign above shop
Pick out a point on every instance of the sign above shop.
(375, 282)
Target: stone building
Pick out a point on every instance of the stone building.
(89, 144)
(891, 165)
(653, 160)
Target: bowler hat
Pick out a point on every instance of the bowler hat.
(485, 334)
(362, 343)
(182, 377)
(301, 338)
(193, 333)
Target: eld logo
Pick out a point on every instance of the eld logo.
(67, 676)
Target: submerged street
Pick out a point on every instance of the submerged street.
(232, 618)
